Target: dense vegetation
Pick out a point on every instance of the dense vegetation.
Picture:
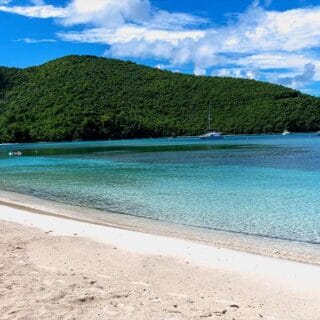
(84, 97)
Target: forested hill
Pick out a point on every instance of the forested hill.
(85, 97)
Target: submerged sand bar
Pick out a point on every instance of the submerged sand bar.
(287, 250)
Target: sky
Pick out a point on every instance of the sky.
(276, 41)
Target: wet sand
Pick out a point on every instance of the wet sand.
(288, 250)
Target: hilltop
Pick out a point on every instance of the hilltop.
(86, 97)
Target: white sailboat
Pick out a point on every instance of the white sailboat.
(286, 132)
(211, 135)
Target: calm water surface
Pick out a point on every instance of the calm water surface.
(260, 185)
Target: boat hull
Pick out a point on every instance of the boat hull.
(211, 138)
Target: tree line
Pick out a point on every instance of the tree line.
(91, 98)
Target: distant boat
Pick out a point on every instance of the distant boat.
(211, 135)
(15, 154)
(286, 132)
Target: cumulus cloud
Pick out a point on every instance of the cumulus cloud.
(199, 71)
(258, 42)
(250, 72)
(300, 80)
(106, 13)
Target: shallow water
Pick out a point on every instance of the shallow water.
(259, 185)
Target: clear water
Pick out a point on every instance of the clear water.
(260, 185)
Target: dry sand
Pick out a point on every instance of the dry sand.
(52, 268)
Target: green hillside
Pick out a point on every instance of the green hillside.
(85, 97)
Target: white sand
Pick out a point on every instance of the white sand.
(303, 276)
(285, 289)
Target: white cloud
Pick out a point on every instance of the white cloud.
(258, 40)
(106, 13)
(175, 21)
(300, 80)
(289, 31)
(31, 40)
(199, 71)
(142, 49)
(46, 11)
(256, 31)
(129, 33)
(259, 30)
(95, 12)
(289, 64)
(274, 60)
(160, 66)
(249, 72)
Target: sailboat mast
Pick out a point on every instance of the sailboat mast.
(209, 117)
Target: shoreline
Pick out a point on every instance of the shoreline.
(107, 273)
(296, 275)
(313, 133)
(259, 245)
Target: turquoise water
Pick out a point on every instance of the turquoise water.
(259, 185)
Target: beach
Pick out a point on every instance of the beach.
(57, 268)
(159, 160)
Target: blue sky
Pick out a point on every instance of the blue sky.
(269, 40)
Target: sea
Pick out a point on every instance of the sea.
(264, 185)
